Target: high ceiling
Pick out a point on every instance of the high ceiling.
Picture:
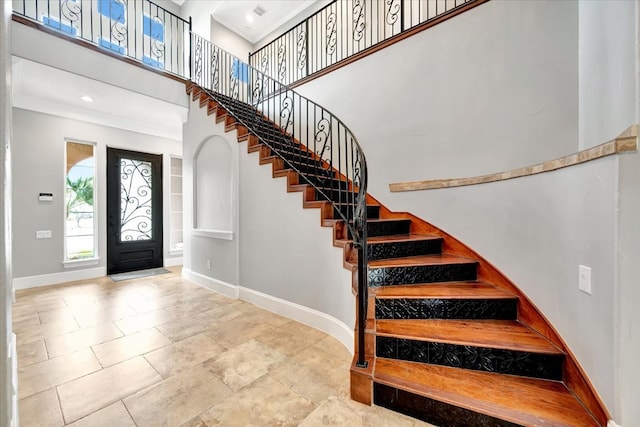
(254, 19)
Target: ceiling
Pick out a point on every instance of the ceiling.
(49, 90)
(240, 15)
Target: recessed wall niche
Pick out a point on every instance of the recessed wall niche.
(213, 188)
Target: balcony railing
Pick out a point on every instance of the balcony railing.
(346, 28)
(140, 29)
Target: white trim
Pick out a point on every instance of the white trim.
(74, 263)
(15, 420)
(227, 289)
(213, 234)
(55, 278)
(309, 316)
(612, 423)
(175, 252)
(173, 261)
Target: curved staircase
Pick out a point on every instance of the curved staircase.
(449, 339)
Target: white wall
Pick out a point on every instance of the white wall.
(280, 257)
(8, 413)
(609, 102)
(627, 369)
(498, 88)
(200, 13)
(38, 165)
(608, 69)
(315, 7)
(228, 40)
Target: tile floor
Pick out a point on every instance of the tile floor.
(160, 351)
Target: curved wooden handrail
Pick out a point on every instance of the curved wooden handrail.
(626, 141)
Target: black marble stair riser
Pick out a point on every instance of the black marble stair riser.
(335, 195)
(432, 411)
(373, 212)
(401, 249)
(304, 169)
(387, 228)
(387, 276)
(448, 308)
(511, 362)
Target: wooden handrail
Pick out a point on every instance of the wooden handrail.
(626, 141)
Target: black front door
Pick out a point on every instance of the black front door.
(134, 211)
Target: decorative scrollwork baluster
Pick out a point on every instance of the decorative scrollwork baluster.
(286, 112)
(234, 72)
(157, 46)
(322, 136)
(215, 69)
(302, 50)
(71, 10)
(332, 39)
(282, 62)
(393, 11)
(197, 62)
(359, 23)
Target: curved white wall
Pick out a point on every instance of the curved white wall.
(505, 85)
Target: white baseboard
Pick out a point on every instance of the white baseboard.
(173, 261)
(612, 423)
(55, 278)
(309, 316)
(15, 421)
(227, 289)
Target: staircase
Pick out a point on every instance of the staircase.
(449, 339)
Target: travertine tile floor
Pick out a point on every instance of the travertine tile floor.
(160, 351)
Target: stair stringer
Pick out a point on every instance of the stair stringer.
(574, 376)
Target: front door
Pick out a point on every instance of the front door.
(134, 211)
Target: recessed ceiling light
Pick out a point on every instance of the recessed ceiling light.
(86, 98)
(249, 19)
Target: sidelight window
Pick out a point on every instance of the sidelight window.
(80, 221)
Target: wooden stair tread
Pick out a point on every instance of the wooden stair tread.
(458, 290)
(525, 401)
(501, 334)
(421, 260)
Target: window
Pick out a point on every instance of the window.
(80, 221)
(240, 70)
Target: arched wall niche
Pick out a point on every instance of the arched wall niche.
(213, 189)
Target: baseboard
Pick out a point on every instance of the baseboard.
(309, 316)
(173, 261)
(55, 278)
(227, 289)
(15, 421)
(612, 423)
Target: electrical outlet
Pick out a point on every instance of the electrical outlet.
(43, 234)
(208, 264)
(584, 279)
